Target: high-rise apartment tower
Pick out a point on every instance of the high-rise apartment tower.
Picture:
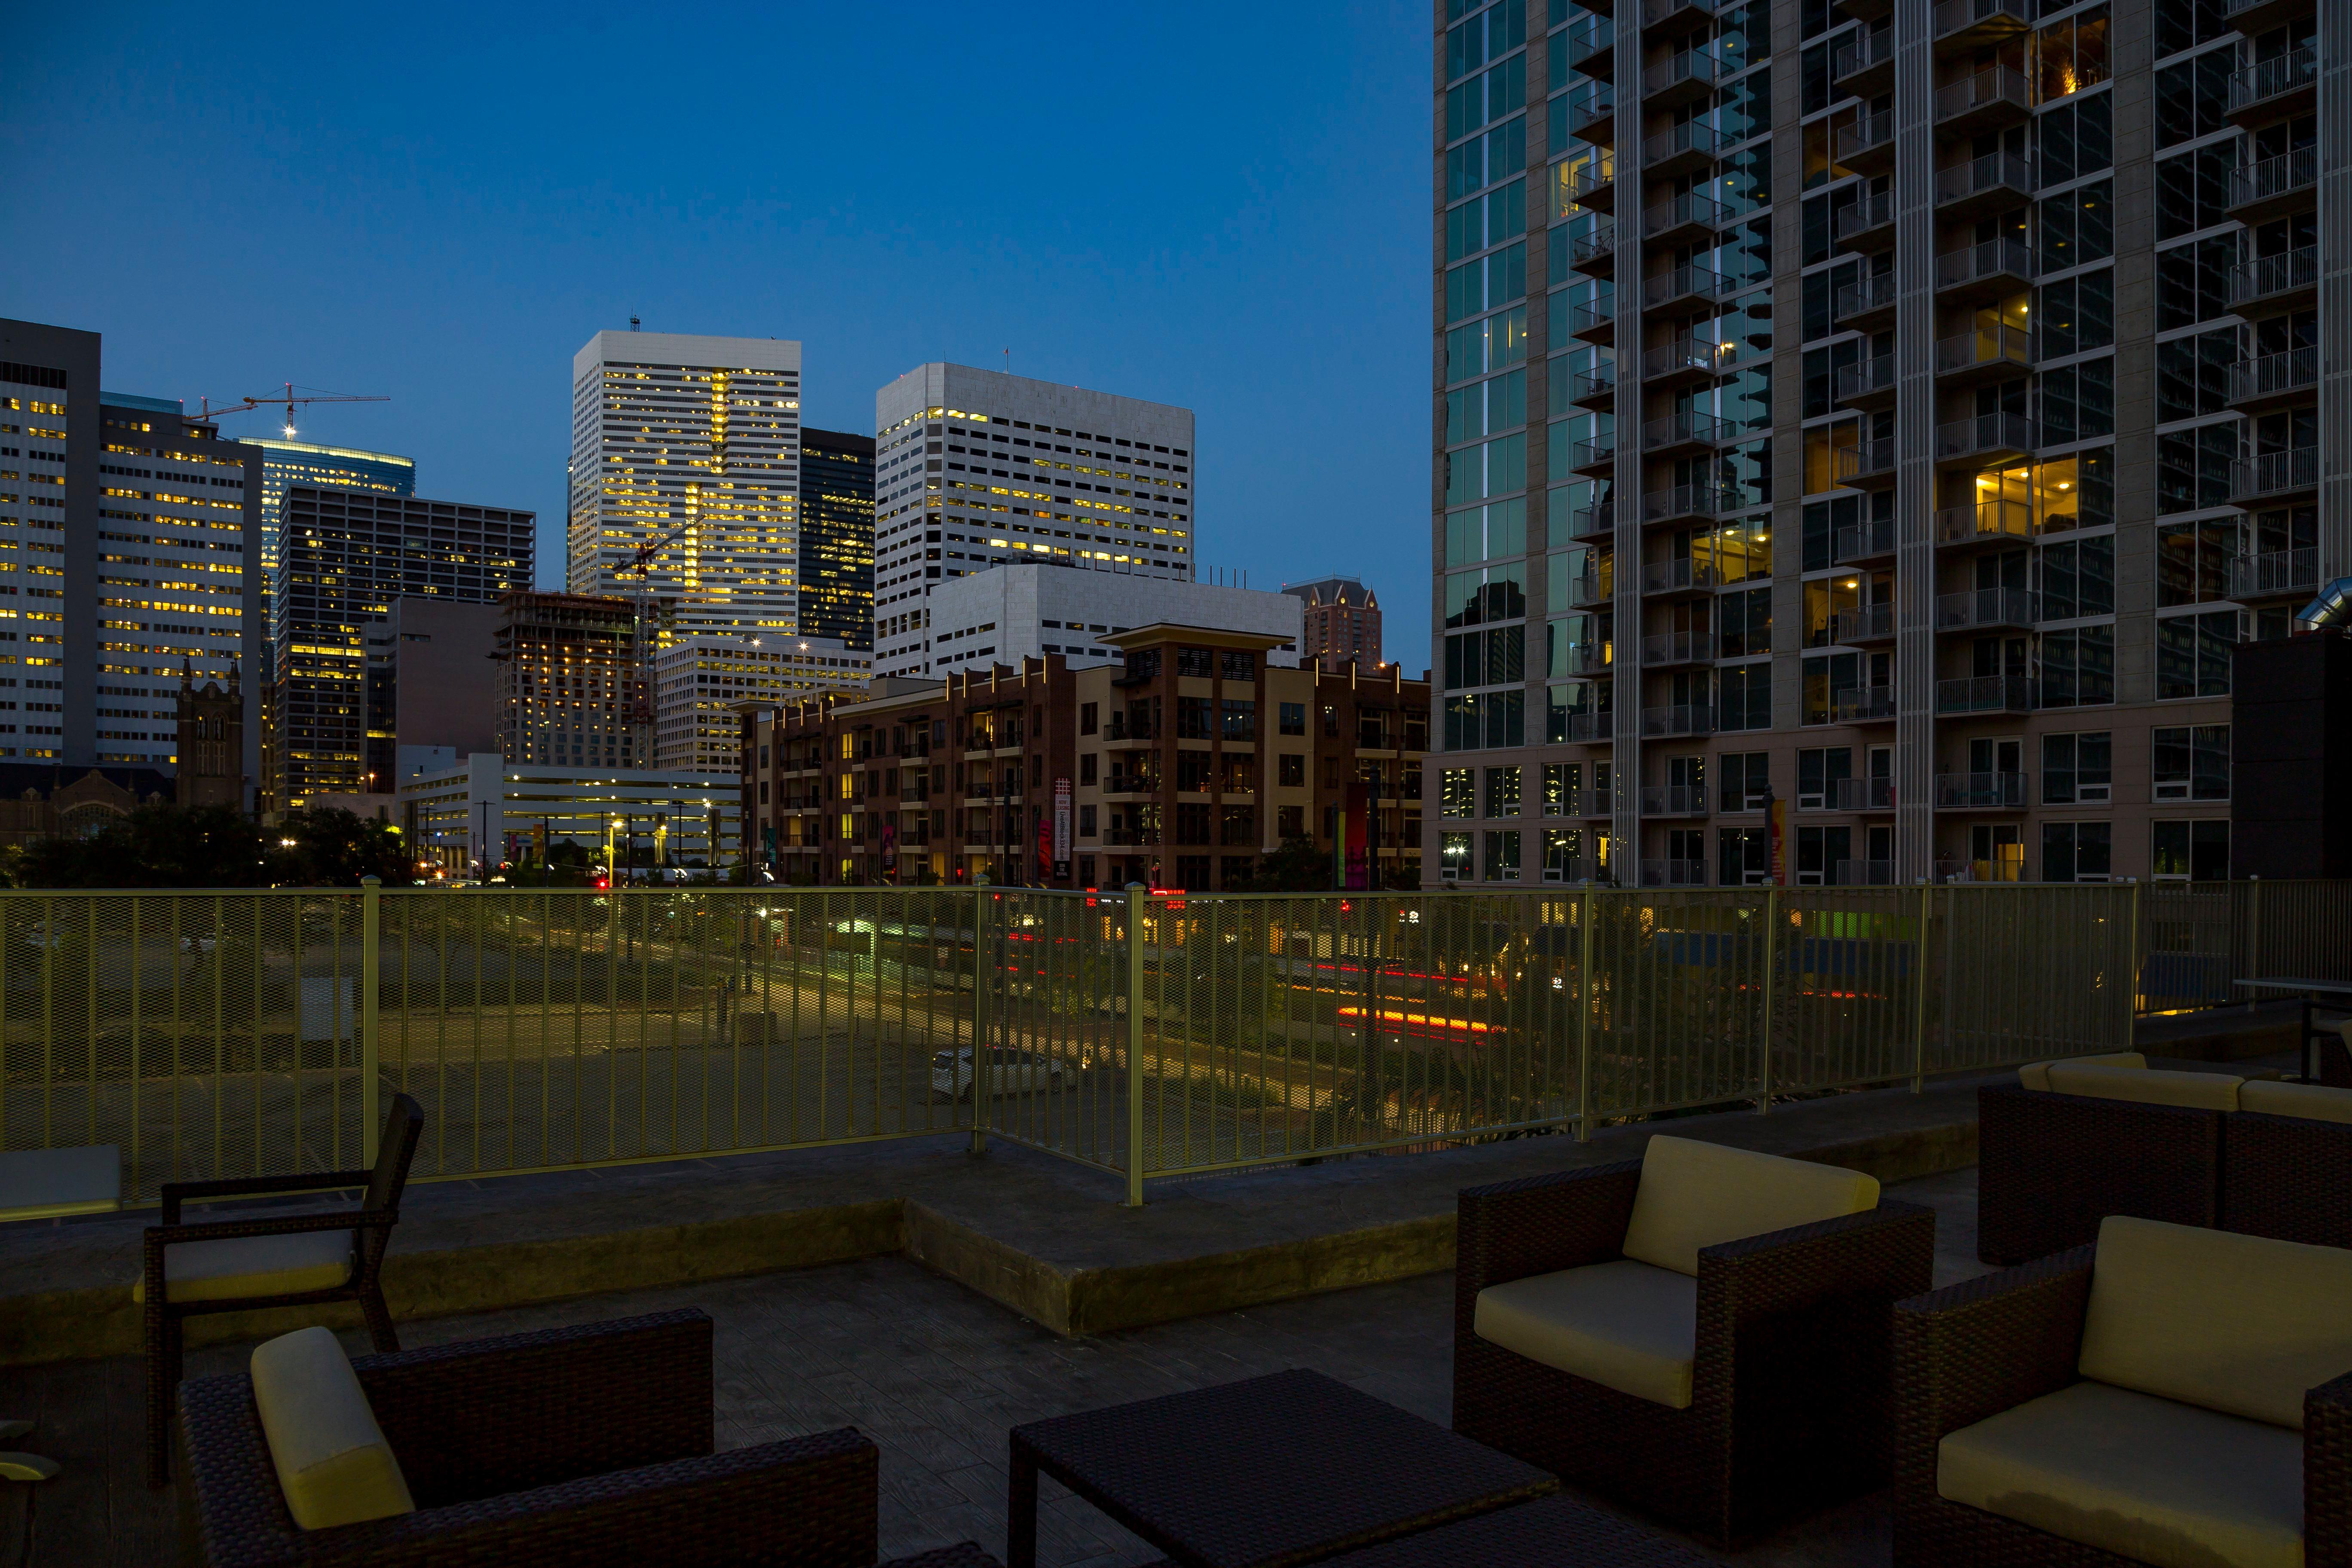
(1880, 418)
(975, 468)
(688, 448)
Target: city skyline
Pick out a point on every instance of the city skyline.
(1189, 299)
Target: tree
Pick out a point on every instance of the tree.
(333, 847)
(154, 847)
(1298, 867)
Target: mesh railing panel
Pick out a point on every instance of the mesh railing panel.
(222, 1033)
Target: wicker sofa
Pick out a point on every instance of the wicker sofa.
(1701, 1333)
(2172, 1394)
(2073, 1141)
(582, 1446)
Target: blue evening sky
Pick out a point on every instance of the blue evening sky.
(1219, 205)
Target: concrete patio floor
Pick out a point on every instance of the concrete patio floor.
(934, 1373)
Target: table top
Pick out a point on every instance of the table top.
(1276, 1470)
(1546, 1533)
(2289, 983)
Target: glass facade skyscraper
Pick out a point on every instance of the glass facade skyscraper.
(838, 537)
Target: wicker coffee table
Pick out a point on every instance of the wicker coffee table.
(1286, 1469)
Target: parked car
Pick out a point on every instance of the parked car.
(1011, 1071)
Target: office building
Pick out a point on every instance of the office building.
(570, 686)
(684, 487)
(432, 695)
(485, 809)
(976, 468)
(838, 537)
(288, 462)
(698, 682)
(1341, 624)
(1181, 765)
(349, 555)
(1891, 414)
(123, 529)
(1006, 613)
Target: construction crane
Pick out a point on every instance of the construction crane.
(289, 397)
(641, 563)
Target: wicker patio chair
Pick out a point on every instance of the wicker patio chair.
(2037, 1424)
(311, 1258)
(2287, 1164)
(2051, 1165)
(585, 1445)
(1783, 1393)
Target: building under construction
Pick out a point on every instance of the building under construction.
(571, 680)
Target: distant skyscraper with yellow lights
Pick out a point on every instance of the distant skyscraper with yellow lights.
(687, 448)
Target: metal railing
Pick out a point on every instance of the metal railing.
(1864, 873)
(1953, 16)
(1679, 719)
(1869, 622)
(1865, 378)
(2267, 78)
(1984, 608)
(2274, 473)
(1682, 283)
(2274, 571)
(1861, 704)
(1689, 501)
(1999, 346)
(2275, 374)
(1863, 460)
(1864, 295)
(1993, 88)
(1867, 212)
(1696, 354)
(1966, 264)
(1673, 873)
(1691, 71)
(1674, 576)
(1865, 51)
(1993, 520)
(1870, 794)
(1985, 694)
(1660, 648)
(1981, 792)
(1687, 211)
(1693, 137)
(2274, 177)
(243, 1033)
(1862, 540)
(1673, 800)
(2262, 277)
(2011, 171)
(1864, 134)
(1984, 434)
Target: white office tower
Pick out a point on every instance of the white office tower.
(975, 469)
(686, 450)
(1007, 613)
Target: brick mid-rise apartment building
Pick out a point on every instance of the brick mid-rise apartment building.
(1180, 767)
(1898, 410)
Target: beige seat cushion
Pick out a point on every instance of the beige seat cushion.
(2312, 1101)
(1626, 1325)
(2036, 1075)
(332, 1461)
(2237, 1323)
(1697, 1195)
(254, 1266)
(2149, 1086)
(2144, 1477)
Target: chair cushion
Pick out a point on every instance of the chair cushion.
(2149, 1085)
(2242, 1324)
(333, 1464)
(2312, 1101)
(254, 1266)
(1626, 1325)
(2036, 1075)
(1696, 1194)
(2147, 1479)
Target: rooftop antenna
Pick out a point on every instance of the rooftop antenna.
(633, 323)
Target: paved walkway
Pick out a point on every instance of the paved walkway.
(934, 1373)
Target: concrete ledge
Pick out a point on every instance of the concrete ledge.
(1047, 1238)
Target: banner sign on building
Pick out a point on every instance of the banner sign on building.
(1061, 829)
